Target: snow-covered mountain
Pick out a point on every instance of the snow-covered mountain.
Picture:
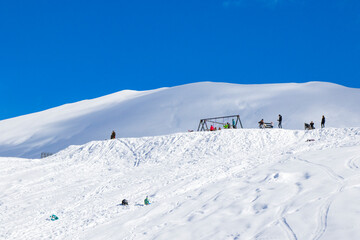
(230, 184)
(177, 109)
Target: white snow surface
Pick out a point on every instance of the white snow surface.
(228, 184)
(177, 109)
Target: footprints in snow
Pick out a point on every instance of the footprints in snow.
(259, 207)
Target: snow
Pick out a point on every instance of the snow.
(177, 109)
(231, 184)
(228, 184)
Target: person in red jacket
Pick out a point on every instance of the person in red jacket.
(212, 128)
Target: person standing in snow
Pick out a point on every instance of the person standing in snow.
(261, 123)
(212, 128)
(113, 135)
(280, 120)
(312, 125)
(323, 121)
(233, 124)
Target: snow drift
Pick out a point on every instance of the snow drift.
(229, 184)
(177, 109)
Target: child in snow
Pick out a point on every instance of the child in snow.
(146, 201)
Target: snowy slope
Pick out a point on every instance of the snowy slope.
(177, 109)
(229, 184)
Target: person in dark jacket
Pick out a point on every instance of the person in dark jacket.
(124, 202)
(323, 121)
(261, 123)
(113, 135)
(280, 120)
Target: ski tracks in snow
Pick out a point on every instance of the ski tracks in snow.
(135, 151)
(325, 207)
(290, 233)
(246, 183)
(353, 163)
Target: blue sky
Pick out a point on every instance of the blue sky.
(57, 52)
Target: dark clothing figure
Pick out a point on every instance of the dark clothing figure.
(261, 123)
(113, 135)
(124, 202)
(312, 125)
(280, 120)
(323, 121)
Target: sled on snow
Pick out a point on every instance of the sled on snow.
(266, 125)
(307, 126)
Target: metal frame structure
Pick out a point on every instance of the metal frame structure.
(204, 127)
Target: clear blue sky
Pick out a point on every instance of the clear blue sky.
(57, 52)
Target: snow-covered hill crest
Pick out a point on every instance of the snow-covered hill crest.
(177, 109)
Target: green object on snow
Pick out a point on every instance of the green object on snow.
(53, 217)
(146, 201)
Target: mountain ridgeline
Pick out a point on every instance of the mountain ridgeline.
(177, 109)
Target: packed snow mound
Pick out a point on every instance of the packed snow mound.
(200, 145)
(177, 109)
(228, 184)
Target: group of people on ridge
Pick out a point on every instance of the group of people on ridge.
(312, 125)
(225, 126)
(262, 124)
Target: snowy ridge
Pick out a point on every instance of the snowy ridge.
(177, 109)
(229, 184)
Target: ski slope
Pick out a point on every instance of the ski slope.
(229, 184)
(177, 109)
